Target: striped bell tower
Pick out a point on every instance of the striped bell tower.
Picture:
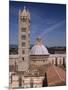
(24, 40)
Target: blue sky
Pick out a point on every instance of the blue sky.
(47, 21)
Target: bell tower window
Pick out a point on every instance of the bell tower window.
(23, 58)
(23, 29)
(23, 19)
(23, 37)
(23, 44)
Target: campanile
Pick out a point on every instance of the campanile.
(24, 39)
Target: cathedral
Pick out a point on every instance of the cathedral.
(34, 67)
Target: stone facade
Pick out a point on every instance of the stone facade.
(41, 60)
(26, 81)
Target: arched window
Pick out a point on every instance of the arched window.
(56, 61)
(64, 62)
(23, 58)
(23, 44)
(23, 29)
(23, 19)
(23, 37)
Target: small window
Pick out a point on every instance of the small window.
(44, 60)
(23, 44)
(23, 29)
(23, 58)
(23, 19)
(23, 37)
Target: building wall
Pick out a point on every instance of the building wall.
(26, 81)
(57, 59)
(39, 60)
(51, 59)
(13, 59)
(60, 59)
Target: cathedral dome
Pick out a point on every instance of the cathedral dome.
(39, 48)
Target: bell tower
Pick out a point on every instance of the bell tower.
(24, 40)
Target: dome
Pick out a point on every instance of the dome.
(39, 48)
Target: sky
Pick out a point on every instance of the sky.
(46, 20)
